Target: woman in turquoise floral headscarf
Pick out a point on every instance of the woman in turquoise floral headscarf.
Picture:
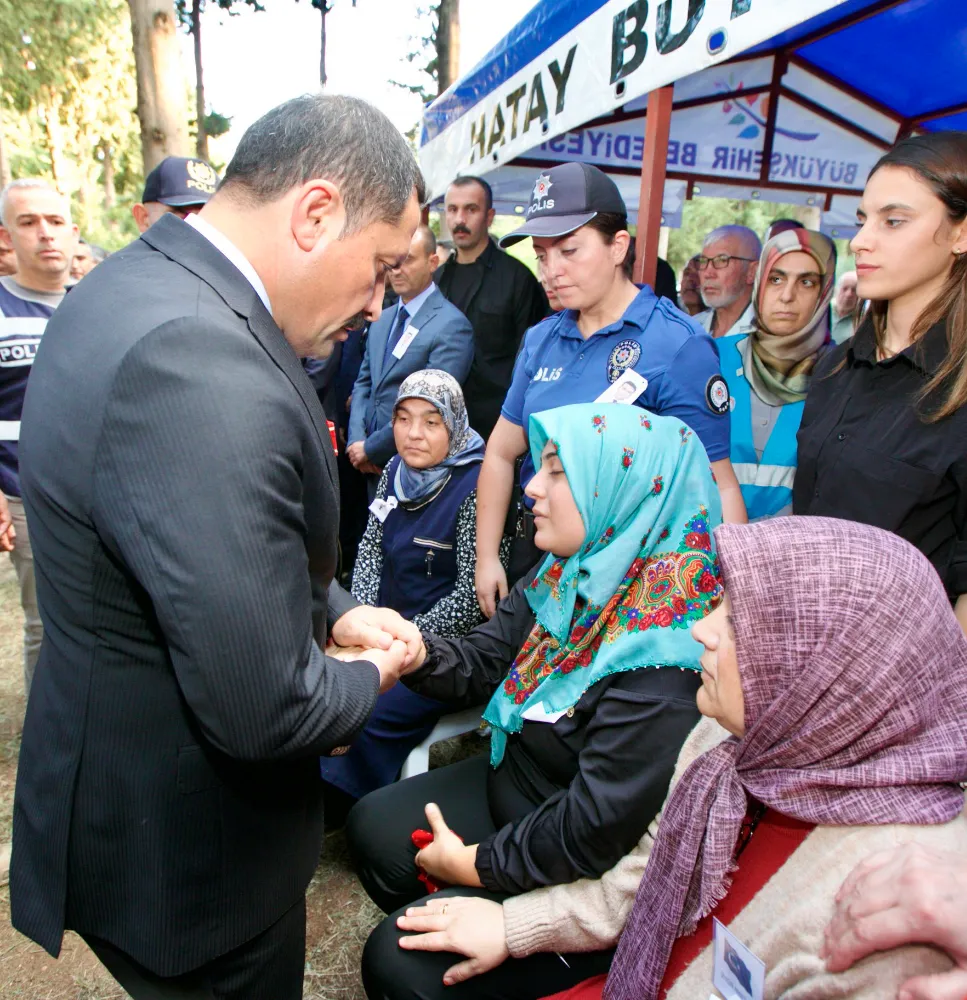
(646, 571)
(591, 673)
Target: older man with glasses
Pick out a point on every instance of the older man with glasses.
(726, 274)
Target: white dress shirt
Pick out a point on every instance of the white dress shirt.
(235, 256)
(744, 324)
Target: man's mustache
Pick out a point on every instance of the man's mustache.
(460, 229)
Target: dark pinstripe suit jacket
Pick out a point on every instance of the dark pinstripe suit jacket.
(181, 496)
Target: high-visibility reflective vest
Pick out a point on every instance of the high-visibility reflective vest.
(766, 484)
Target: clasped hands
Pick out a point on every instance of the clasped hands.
(385, 638)
(356, 453)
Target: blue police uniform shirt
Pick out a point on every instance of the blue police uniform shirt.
(557, 366)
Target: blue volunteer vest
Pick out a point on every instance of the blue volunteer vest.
(766, 485)
(419, 546)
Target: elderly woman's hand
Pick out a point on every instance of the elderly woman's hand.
(910, 895)
(466, 925)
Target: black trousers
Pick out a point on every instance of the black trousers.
(390, 973)
(378, 833)
(269, 967)
(379, 828)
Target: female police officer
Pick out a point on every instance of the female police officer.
(607, 327)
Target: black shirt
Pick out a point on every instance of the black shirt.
(866, 454)
(502, 299)
(570, 798)
(464, 281)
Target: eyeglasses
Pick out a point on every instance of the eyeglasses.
(720, 262)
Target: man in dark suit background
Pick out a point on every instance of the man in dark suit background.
(423, 330)
(180, 487)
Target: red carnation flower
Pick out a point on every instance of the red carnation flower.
(664, 617)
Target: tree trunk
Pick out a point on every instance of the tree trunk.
(322, 47)
(110, 192)
(201, 140)
(448, 44)
(161, 81)
(55, 142)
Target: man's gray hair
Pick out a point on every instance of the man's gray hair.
(28, 184)
(748, 241)
(340, 139)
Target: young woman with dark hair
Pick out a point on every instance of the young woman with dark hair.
(883, 437)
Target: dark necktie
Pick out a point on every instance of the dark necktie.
(394, 338)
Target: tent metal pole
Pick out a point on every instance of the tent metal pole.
(653, 167)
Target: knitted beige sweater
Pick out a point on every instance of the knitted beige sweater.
(783, 924)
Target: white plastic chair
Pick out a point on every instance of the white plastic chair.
(450, 725)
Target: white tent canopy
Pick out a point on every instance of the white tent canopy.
(773, 99)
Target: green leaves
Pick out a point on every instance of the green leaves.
(67, 89)
(183, 9)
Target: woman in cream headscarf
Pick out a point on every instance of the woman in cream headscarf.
(769, 371)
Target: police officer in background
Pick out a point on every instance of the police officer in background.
(178, 185)
(35, 224)
(496, 292)
(608, 328)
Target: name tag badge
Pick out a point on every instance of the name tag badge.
(381, 508)
(737, 973)
(405, 341)
(626, 388)
(538, 713)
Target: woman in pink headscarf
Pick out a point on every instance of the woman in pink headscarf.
(845, 690)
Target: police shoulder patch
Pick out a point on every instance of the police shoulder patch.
(625, 355)
(717, 394)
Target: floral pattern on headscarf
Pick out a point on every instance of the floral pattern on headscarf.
(443, 391)
(627, 598)
(779, 367)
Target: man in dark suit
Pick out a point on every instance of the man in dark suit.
(180, 488)
(422, 331)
